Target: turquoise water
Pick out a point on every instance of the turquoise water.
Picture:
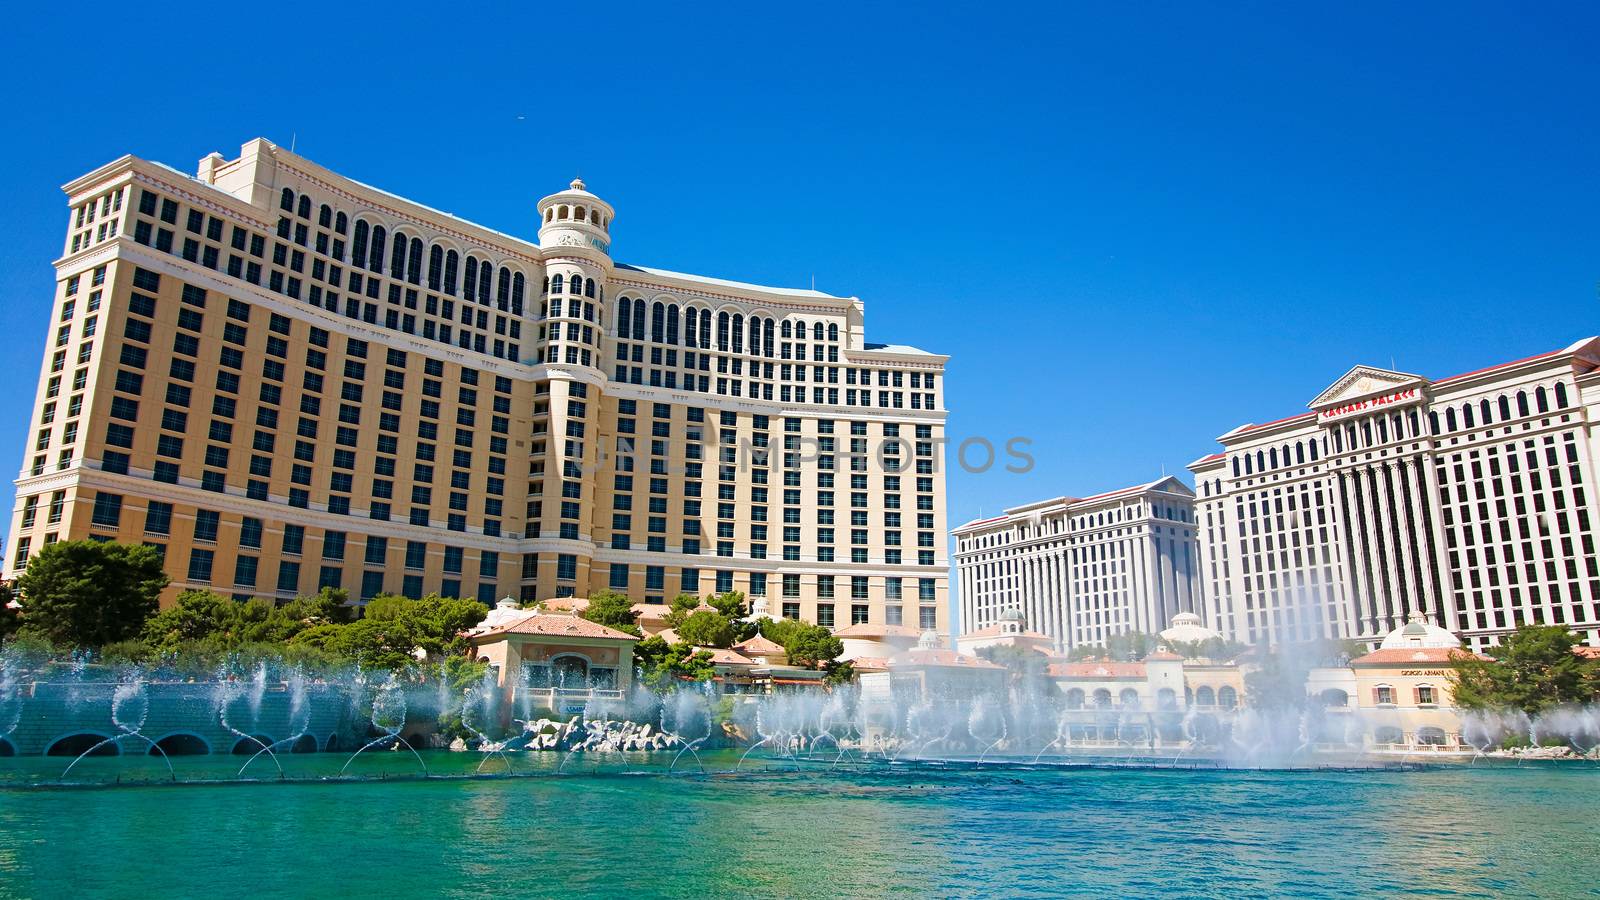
(771, 831)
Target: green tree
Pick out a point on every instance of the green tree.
(812, 646)
(661, 664)
(839, 672)
(1532, 670)
(707, 629)
(612, 610)
(1272, 685)
(197, 616)
(10, 619)
(729, 603)
(680, 608)
(89, 593)
(1026, 667)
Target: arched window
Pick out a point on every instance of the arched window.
(691, 320)
(1450, 419)
(1383, 431)
(325, 216)
(397, 257)
(658, 321)
(722, 331)
(1541, 399)
(767, 335)
(799, 331)
(1366, 433)
(286, 201)
(1561, 395)
(1338, 441)
(452, 262)
(375, 257)
(414, 264)
(1522, 403)
(469, 280)
(1227, 697)
(1334, 698)
(503, 294)
(518, 288)
(1129, 698)
(1102, 698)
(435, 267)
(1505, 408)
(1300, 454)
(755, 336)
(1431, 736)
(1466, 415)
(1272, 457)
(358, 246)
(555, 282)
(787, 330)
(672, 323)
(738, 333)
(1483, 412)
(588, 287)
(305, 207)
(1261, 461)
(340, 222)
(638, 320)
(1166, 698)
(705, 329)
(1388, 734)
(485, 281)
(624, 310)
(833, 331)
(1433, 421)
(1236, 467)
(1075, 698)
(1205, 696)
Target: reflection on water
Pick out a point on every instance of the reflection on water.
(773, 831)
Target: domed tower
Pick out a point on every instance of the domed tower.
(575, 240)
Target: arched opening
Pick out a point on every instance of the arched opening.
(250, 746)
(76, 744)
(1075, 698)
(332, 743)
(6, 748)
(305, 743)
(1205, 696)
(182, 744)
(1166, 698)
(1129, 698)
(1227, 697)
(1102, 698)
(1430, 736)
(1334, 698)
(569, 671)
(1388, 734)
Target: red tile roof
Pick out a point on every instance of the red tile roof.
(1399, 655)
(556, 625)
(722, 657)
(870, 663)
(759, 646)
(1096, 668)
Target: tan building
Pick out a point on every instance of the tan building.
(1470, 499)
(552, 660)
(286, 379)
(1397, 697)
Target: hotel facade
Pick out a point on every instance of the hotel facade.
(286, 379)
(1083, 570)
(1469, 500)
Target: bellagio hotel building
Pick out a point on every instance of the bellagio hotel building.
(284, 380)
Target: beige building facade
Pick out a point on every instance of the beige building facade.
(1083, 569)
(286, 379)
(1470, 499)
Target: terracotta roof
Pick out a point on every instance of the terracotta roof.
(869, 630)
(759, 645)
(1587, 652)
(870, 663)
(995, 631)
(1163, 656)
(722, 657)
(557, 625)
(940, 658)
(1409, 654)
(1096, 668)
(668, 635)
(651, 610)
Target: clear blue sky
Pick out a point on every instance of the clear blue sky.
(1132, 227)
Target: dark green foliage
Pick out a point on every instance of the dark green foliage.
(1532, 670)
(612, 610)
(90, 593)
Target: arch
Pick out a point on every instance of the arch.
(1484, 415)
(624, 310)
(722, 331)
(1236, 467)
(638, 320)
(588, 287)
(305, 743)
(1166, 698)
(738, 333)
(1128, 699)
(1102, 698)
(75, 744)
(1467, 418)
(691, 322)
(1272, 457)
(1388, 734)
(672, 323)
(182, 743)
(705, 329)
(658, 321)
(248, 746)
(1505, 408)
(1522, 403)
(485, 281)
(452, 262)
(358, 245)
(833, 331)
(7, 748)
(557, 282)
(375, 257)
(332, 744)
(1432, 736)
(340, 222)
(1561, 395)
(787, 330)
(1075, 698)
(564, 667)
(286, 200)
(1450, 419)
(435, 267)
(519, 285)
(1205, 696)
(1541, 399)
(1227, 697)
(1334, 698)
(414, 264)
(325, 216)
(818, 331)
(766, 337)
(397, 257)
(304, 209)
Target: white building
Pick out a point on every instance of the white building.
(1082, 570)
(1469, 499)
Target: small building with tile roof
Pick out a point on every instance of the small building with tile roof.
(552, 657)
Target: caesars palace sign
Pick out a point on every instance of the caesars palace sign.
(1371, 403)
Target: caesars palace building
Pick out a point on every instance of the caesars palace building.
(1470, 499)
(284, 379)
